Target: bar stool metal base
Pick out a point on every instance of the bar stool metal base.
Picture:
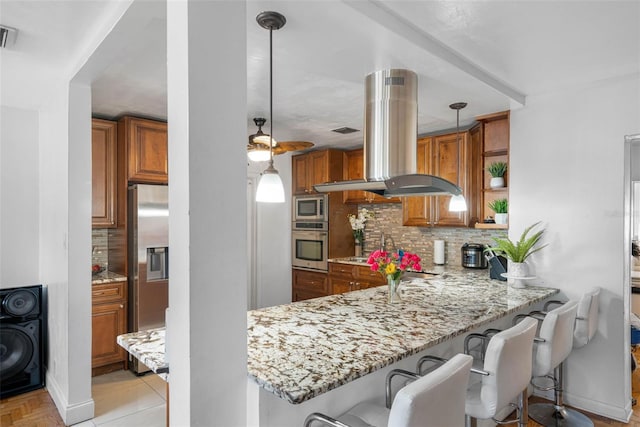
(548, 415)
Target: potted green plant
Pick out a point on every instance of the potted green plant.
(517, 252)
(501, 208)
(497, 171)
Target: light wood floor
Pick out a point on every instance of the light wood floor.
(36, 409)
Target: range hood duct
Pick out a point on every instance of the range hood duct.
(390, 141)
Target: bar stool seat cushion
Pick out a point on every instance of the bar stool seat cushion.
(437, 400)
(508, 360)
(556, 332)
(587, 315)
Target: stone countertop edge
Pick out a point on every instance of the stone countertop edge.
(107, 277)
(148, 347)
(300, 350)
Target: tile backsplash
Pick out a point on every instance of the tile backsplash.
(100, 246)
(388, 220)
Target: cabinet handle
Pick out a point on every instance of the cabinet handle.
(121, 305)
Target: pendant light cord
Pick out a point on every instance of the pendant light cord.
(271, 97)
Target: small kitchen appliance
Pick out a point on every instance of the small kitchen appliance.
(310, 208)
(473, 256)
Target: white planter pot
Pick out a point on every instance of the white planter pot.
(501, 218)
(515, 270)
(496, 182)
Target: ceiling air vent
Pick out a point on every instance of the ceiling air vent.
(7, 36)
(345, 130)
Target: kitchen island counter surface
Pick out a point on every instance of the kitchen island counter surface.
(148, 347)
(300, 350)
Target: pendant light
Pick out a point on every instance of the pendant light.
(458, 203)
(270, 188)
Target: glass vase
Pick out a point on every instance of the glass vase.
(358, 248)
(393, 285)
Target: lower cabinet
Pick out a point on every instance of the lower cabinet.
(349, 277)
(108, 320)
(308, 284)
(340, 279)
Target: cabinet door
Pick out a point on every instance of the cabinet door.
(341, 285)
(450, 163)
(308, 284)
(299, 172)
(318, 171)
(103, 173)
(147, 151)
(353, 168)
(107, 322)
(417, 210)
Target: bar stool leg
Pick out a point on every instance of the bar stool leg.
(556, 414)
(524, 409)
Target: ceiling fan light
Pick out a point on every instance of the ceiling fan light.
(264, 139)
(258, 155)
(270, 187)
(457, 204)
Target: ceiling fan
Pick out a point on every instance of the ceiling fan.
(258, 146)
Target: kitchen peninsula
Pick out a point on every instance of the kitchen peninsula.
(325, 354)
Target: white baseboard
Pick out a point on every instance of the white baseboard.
(617, 413)
(70, 414)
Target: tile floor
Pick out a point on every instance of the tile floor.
(123, 399)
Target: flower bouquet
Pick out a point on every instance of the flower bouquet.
(392, 265)
(357, 226)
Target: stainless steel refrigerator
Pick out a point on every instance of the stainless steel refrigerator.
(148, 249)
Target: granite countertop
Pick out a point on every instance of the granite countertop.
(300, 350)
(107, 277)
(148, 347)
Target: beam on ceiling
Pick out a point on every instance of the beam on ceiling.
(383, 15)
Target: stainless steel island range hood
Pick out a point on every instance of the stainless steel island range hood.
(390, 141)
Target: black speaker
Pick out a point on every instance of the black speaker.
(22, 340)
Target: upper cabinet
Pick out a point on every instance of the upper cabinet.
(146, 149)
(494, 131)
(450, 157)
(315, 167)
(353, 168)
(103, 173)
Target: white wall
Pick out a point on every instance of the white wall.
(566, 170)
(273, 252)
(19, 205)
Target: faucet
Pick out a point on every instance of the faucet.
(382, 240)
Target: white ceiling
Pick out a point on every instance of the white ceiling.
(485, 53)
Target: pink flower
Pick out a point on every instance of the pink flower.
(375, 267)
(417, 267)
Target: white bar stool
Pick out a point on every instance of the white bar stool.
(434, 400)
(505, 375)
(586, 325)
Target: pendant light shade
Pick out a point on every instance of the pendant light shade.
(270, 188)
(458, 203)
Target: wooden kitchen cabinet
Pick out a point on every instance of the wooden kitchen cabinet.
(315, 167)
(448, 156)
(103, 173)
(348, 277)
(308, 284)
(108, 320)
(353, 168)
(146, 149)
(494, 136)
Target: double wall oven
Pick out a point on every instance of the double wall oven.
(310, 233)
